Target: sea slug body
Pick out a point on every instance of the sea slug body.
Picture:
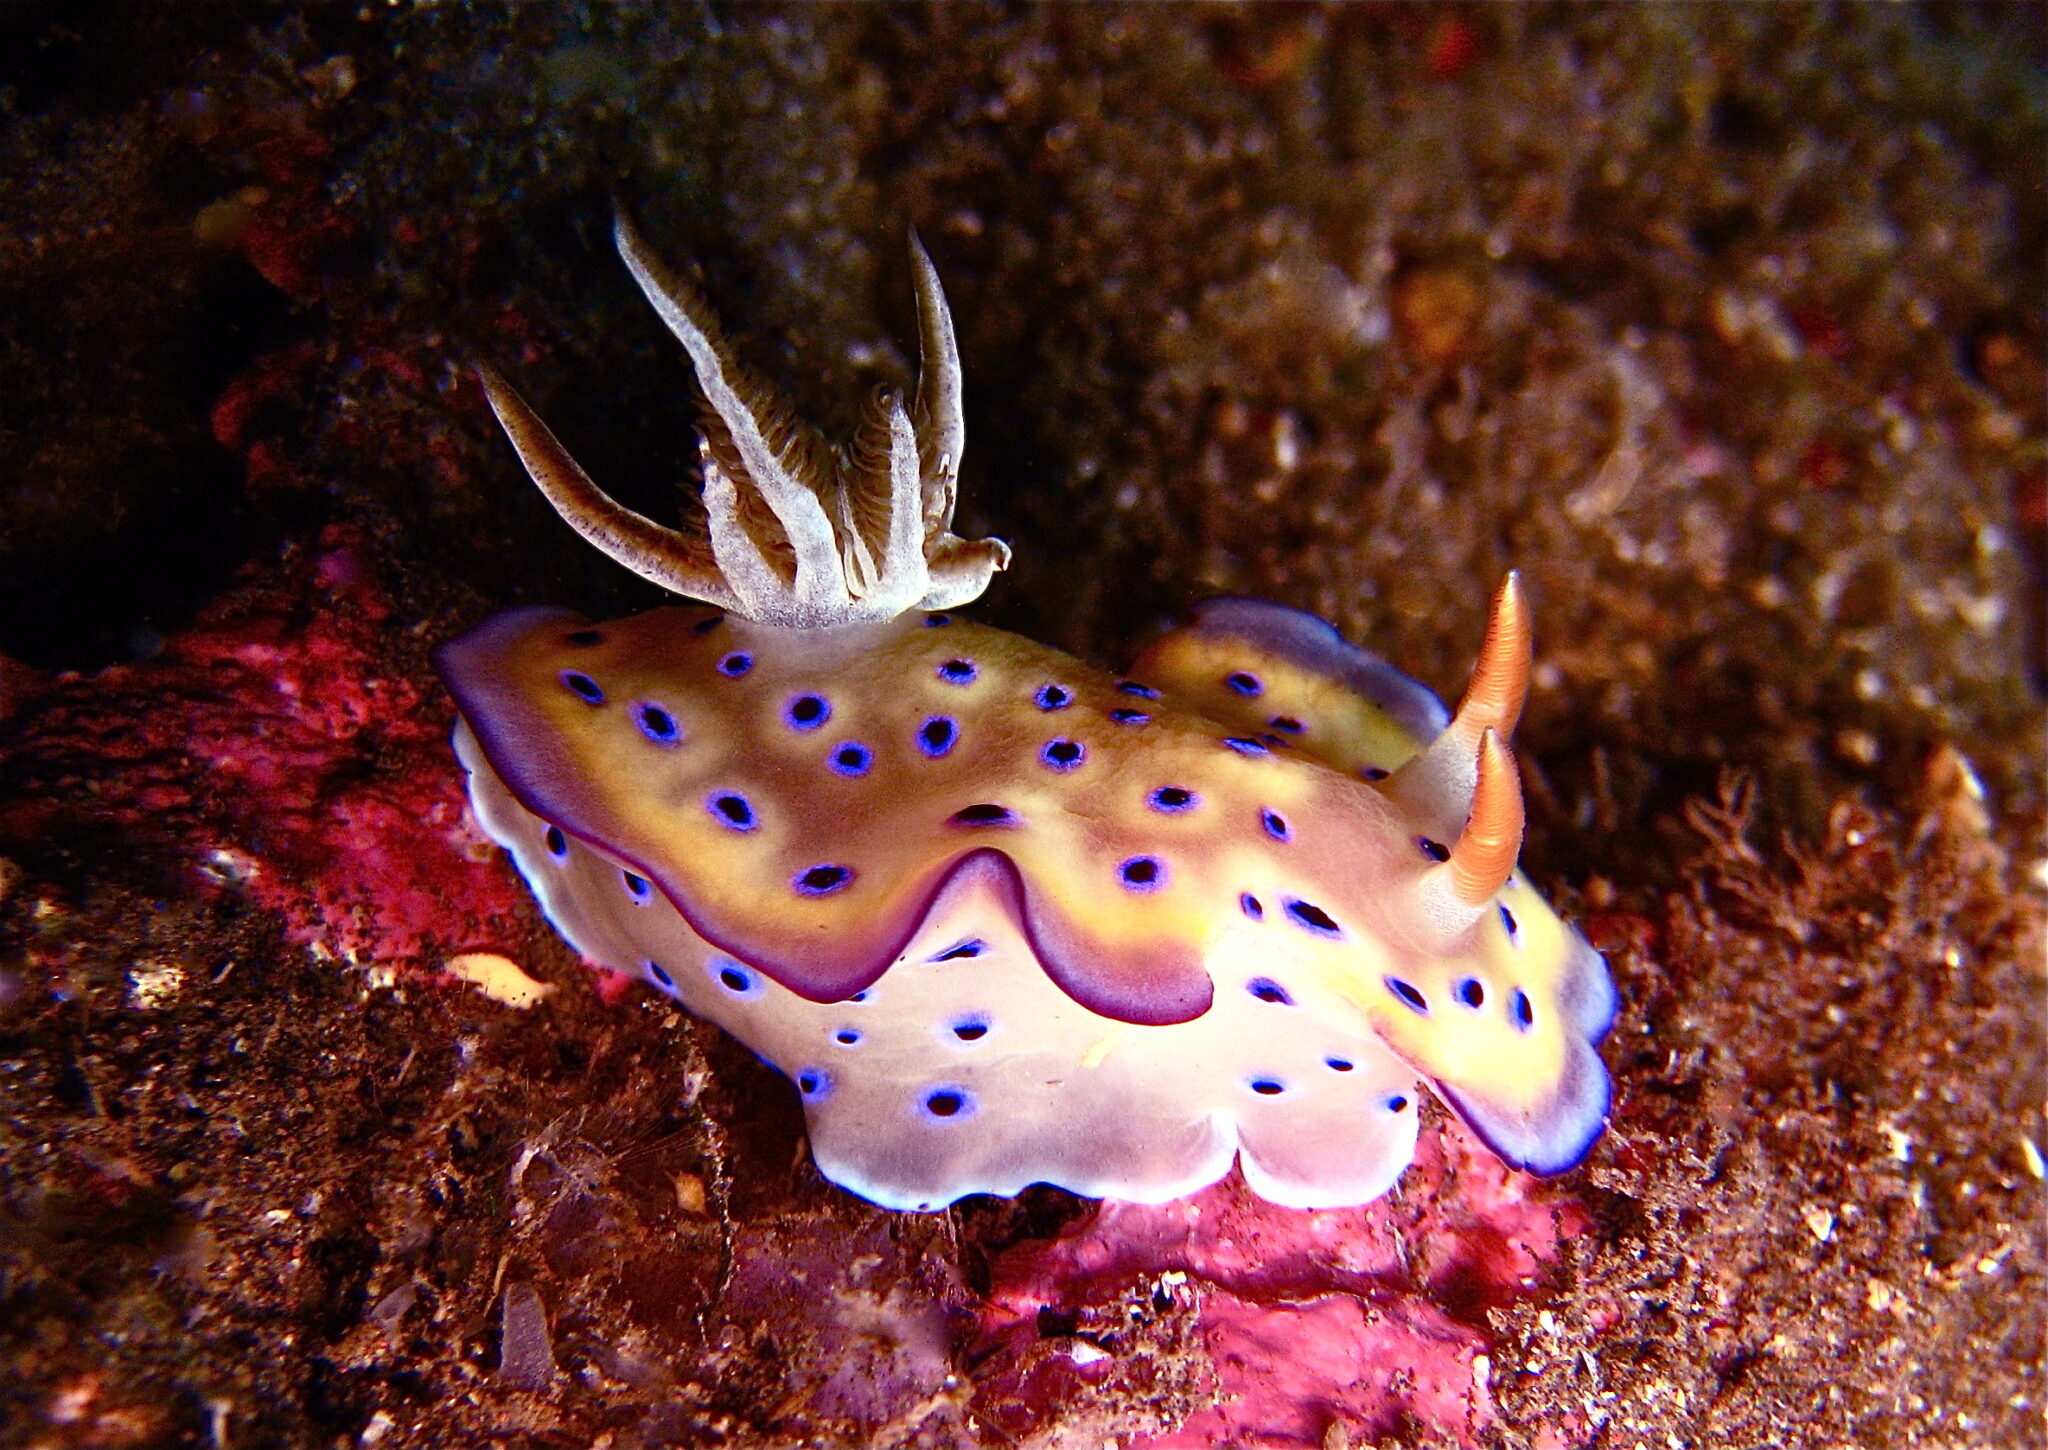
(1003, 917)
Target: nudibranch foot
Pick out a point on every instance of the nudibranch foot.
(1002, 917)
(965, 1069)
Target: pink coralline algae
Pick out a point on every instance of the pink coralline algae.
(1369, 1318)
(271, 747)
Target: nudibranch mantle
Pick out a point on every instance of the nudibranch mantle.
(1003, 917)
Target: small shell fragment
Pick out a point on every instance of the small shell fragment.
(499, 978)
(526, 1358)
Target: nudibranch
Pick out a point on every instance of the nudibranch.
(1004, 918)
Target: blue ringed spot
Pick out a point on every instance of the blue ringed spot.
(1288, 724)
(1142, 873)
(1129, 717)
(636, 886)
(658, 725)
(583, 687)
(807, 712)
(814, 1082)
(822, 880)
(733, 977)
(1063, 755)
(937, 621)
(1470, 991)
(1267, 1087)
(731, 811)
(1409, 995)
(1173, 799)
(948, 1102)
(1437, 851)
(585, 637)
(735, 664)
(1339, 1064)
(1132, 687)
(938, 735)
(958, 672)
(1268, 990)
(1244, 683)
(1310, 917)
(1523, 1015)
(557, 843)
(1398, 1103)
(1375, 772)
(1249, 905)
(852, 758)
(1245, 745)
(984, 815)
(972, 948)
(847, 1037)
(1053, 697)
(970, 1029)
(660, 974)
(1276, 825)
(1507, 919)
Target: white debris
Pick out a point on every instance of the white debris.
(499, 978)
(154, 984)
